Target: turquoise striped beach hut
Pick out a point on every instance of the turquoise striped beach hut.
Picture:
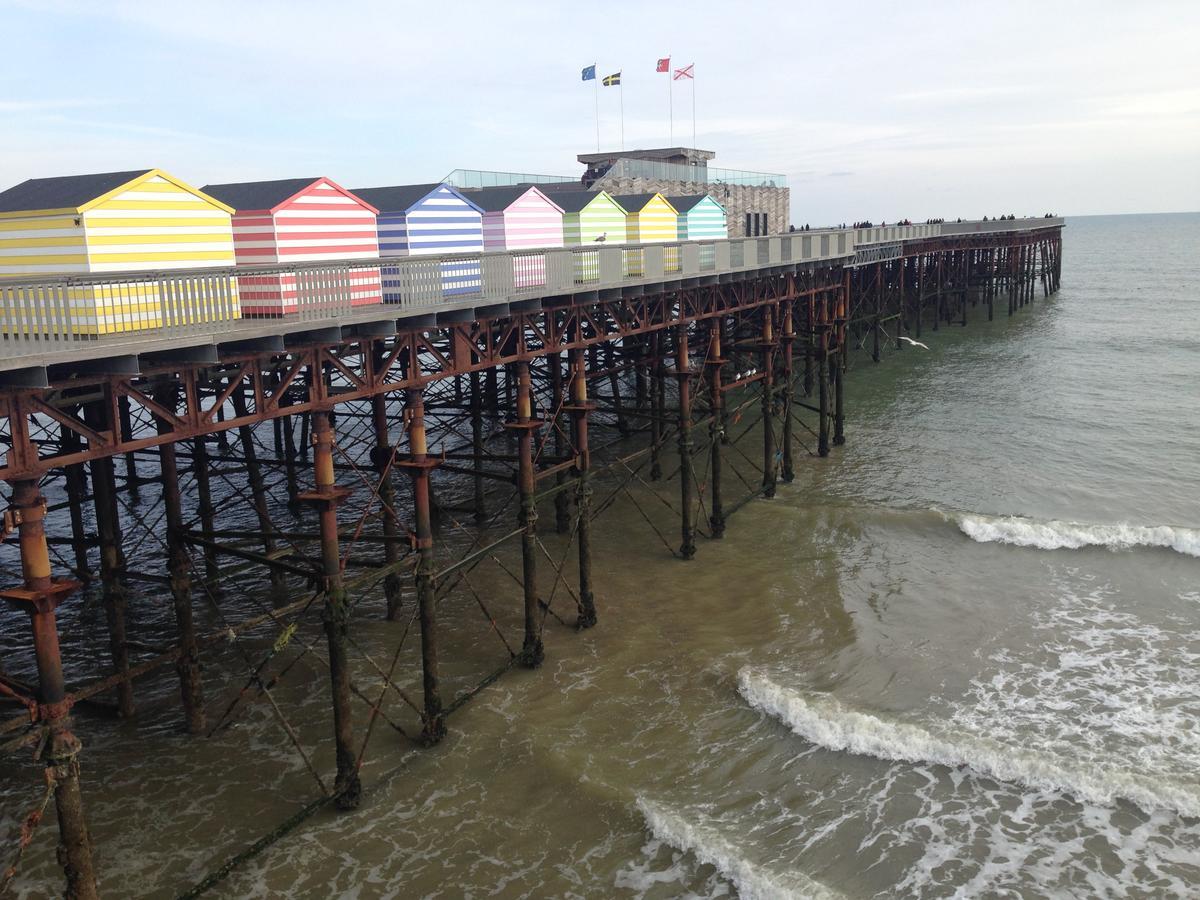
(701, 218)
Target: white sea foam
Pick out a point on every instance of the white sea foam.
(822, 720)
(704, 841)
(1051, 534)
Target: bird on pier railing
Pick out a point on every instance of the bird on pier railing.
(914, 343)
(601, 239)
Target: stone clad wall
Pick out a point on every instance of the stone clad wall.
(736, 198)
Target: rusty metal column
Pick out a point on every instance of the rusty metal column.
(526, 426)
(920, 261)
(257, 486)
(477, 448)
(716, 427)
(40, 596)
(336, 614)
(658, 403)
(191, 686)
(112, 559)
(562, 503)
(938, 302)
(767, 351)
(579, 409)
(903, 274)
(963, 268)
(788, 340)
(839, 395)
(687, 548)
(383, 457)
(76, 484)
(1011, 259)
(205, 509)
(419, 466)
(877, 322)
(823, 389)
(131, 474)
(990, 282)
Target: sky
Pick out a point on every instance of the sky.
(873, 110)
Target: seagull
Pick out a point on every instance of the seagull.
(601, 239)
(914, 343)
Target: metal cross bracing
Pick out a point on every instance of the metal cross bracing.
(277, 494)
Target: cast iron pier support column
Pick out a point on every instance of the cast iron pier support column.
(687, 548)
(788, 340)
(579, 409)
(383, 457)
(716, 427)
(767, 354)
(526, 426)
(419, 466)
(336, 615)
(179, 575)
(112, 558)
(40, 596)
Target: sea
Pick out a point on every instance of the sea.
(958, 658)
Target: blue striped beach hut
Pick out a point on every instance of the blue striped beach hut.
(428, 219)
(701, 218)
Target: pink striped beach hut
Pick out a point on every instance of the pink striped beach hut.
(297, 220)
(520, 218)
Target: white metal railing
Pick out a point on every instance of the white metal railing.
(35, 312)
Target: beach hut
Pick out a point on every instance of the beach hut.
(424, 219)
(521, 219)
(650, 218)
(592, 220)
(296, 220)
(518, 218)
(701, 218)
(142, 220)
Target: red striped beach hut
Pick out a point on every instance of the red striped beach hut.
(300, 220)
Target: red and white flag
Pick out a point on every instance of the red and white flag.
(685, 72)
(664, 65)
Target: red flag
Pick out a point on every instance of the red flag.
(664, 65)
(685, 72)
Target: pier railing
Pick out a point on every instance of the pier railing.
(38, 313)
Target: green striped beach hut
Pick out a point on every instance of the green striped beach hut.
(593, 220)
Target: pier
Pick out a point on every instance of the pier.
(390, 455)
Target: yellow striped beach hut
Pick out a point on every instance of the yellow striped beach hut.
(650, 218)
(142, 220)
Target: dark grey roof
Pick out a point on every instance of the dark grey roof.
(257, 194)
(685, 204)
(633, 202)
(398, 197)
(64, 192)
(495, 199)
(574, 201)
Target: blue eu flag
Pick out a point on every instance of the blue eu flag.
(589, 73)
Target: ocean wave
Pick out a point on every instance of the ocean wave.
(709, 846)
(1051, 534)
(822, 720)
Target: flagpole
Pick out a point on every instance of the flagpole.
(596, 85)
(694, 108)
(671, 98)
(621, 95)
